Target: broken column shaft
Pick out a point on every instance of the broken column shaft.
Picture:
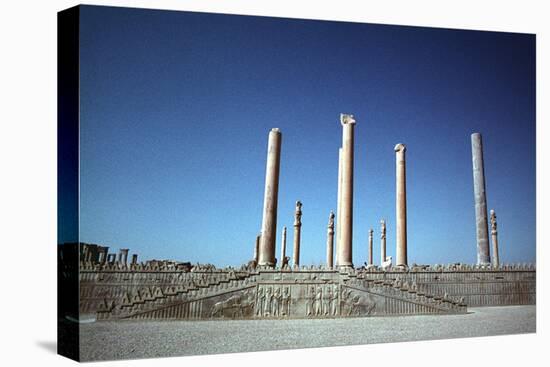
(266, 256)
(297, 233)
(371, 232)
(283, 246)
(482, 235)
(330, 240)
(382, 242)
(400, 205)
(495, 258)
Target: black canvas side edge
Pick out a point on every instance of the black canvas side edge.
(68, 183)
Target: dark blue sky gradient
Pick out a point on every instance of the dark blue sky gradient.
(176, 108)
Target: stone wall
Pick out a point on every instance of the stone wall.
(102, 289)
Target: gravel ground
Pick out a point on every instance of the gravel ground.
(148, 339)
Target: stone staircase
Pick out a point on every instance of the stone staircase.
(404, 298)
(175, 301)
(305, 293)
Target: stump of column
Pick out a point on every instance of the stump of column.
(401, 206)
(344, 257)
(297, 233)
(330, 240)
(482, 235)
(495, 258)
(266, 256)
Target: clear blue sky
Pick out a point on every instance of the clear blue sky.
(176, 108)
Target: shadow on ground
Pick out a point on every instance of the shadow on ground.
(48, 345)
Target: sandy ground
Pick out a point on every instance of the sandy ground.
(147, 339)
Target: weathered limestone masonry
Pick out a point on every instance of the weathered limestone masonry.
(400, 206)
(218, 294)
(163, 290)
(297, 232)
(330, 240)
(482, 233)
(269, 222)
(480, 285)
(494, 237)
(344, 257)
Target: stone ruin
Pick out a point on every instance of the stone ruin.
(111, 288)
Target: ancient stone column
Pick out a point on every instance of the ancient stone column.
(482, 233)
(89, 256)
(382, 242)
(339, 203)
(494, 237)
(330, 240)
(344, 257)
(370, 245)
(400, 205)
(266, 256)
(101, 258)
(297, 232)
(283, 246)
(257, 248)
(123, 256)
(134, 259)
(103, 251)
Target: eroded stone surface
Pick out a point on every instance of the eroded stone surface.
(400, 205)
(480, 199)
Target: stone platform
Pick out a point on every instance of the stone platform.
(131, 292)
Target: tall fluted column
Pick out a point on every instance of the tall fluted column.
(283, 246)
(371, 232)
(346, 211)
(330, 240)
(482, 233)
(382, 242)
(496, 261)
(339, 204)
(297, 232)
(401, 205)
(269, 223)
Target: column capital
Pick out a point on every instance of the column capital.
(331, 220)
(400, 148)
(347, 119)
